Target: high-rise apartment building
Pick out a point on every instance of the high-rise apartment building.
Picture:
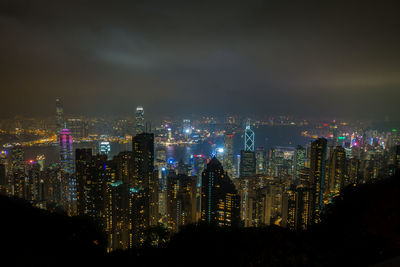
(317, 175)
(220, 203)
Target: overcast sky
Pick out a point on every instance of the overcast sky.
(265, 57)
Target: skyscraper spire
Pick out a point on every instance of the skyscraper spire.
(248, 138)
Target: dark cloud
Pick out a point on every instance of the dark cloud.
(106, 57)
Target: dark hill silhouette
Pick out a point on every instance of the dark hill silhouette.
(361, 228)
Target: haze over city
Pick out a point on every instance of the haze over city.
(332, 58)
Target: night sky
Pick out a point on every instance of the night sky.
(332, 58)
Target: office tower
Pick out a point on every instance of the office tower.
(65, 143)
(227, 162)
(186, 128)
(181, 201)
(247, 163)
(299, 161)
(317, 175)
(105, 148)
(260, 161)
(78, 128)
(338, 177)
(248, 138)
(59, 115)
(139, 120)
(145, 184)
(220, 203)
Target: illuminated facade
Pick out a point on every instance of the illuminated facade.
(338, 177)
(220, 203)
(299, 161)
(247, 163)
(139, 120)
(227, 162)
(317, 175)
(248, 138)
(144, 183)
(66, 145)
(181, 201)
(105, 148)
(260, 161)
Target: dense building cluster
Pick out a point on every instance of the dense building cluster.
(141, 188)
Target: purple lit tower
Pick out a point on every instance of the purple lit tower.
(66, 158)
(68, 181)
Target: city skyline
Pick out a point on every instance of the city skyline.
(199, 133)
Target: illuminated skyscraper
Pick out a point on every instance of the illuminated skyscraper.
(118, 214)
(139, 119)
(248, 138)
(68, 183)
(247, 163)
(220, 203)
(92, 175)
(299, 161)
(260, 161)
(59, 115)
(227, 162)
(317, 175)
(186, 128)
(65, 142)
(17, 168)
(338, 177)
(181, 200)
(105, 148)
(145, 185)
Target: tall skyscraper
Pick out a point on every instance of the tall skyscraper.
(59, 115)
(93, 174)
(220, 203)
(248, 138)
(299, 160)
(83, 163)
(145, 184)
(181, 200)
(317, 175)
(139, 119)
(247, 163)
(227, 162)
(65, 142)
(338, 177)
